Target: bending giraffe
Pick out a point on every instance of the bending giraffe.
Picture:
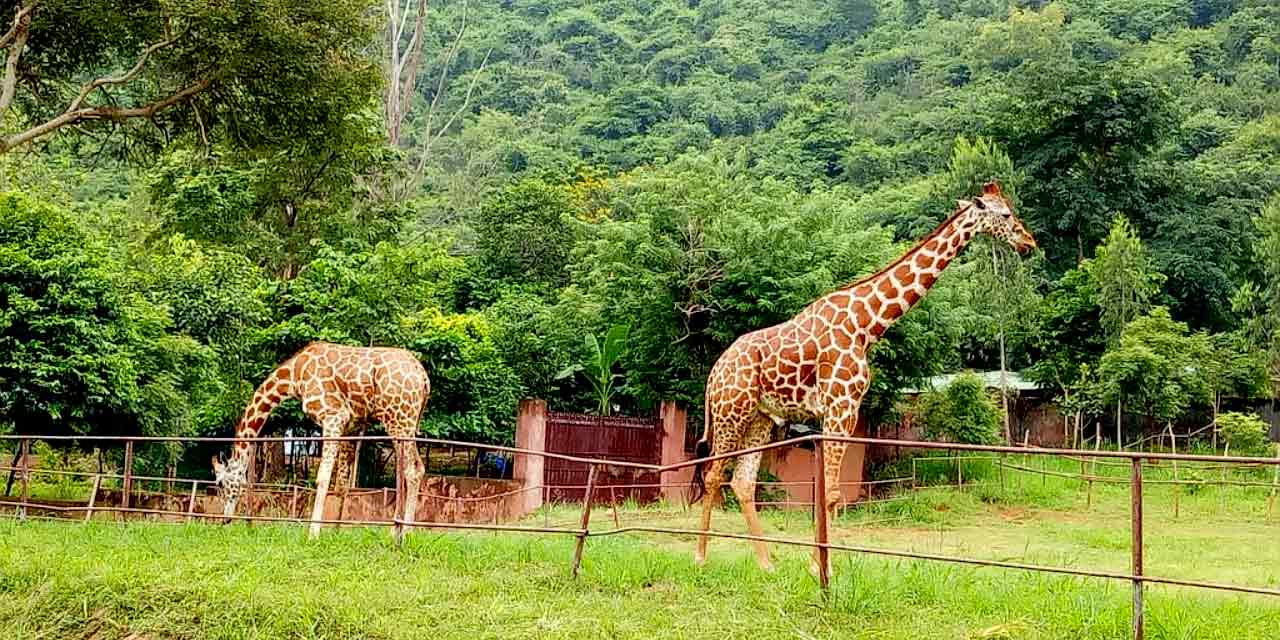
(814, 366)
(341, 388)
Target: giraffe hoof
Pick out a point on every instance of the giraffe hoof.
(699, 560)
(768, 567)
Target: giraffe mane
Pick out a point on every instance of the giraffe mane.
(892, 265)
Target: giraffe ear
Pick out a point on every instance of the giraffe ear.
(963, 204)
(991, 188)
(217, 466)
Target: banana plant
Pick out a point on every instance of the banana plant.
(602, 356)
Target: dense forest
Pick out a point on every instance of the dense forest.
(524, 191)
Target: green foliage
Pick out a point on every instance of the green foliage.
(963, 412)
(1156, 366)
(1245, 433)
(1123, 277)
(602, 356)
(81, 352)
(1260, 303)
(263, 74)
(523, 235)
(404, 296)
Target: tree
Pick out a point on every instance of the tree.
(962, 412)
(1156, 366)
(1001, 294)
(82, 354)
(1124, 279)
(524, 234)
(1066, 342)
(1260, 303)
(255, 74)
(1245, 433)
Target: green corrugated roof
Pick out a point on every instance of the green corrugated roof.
(1013, 381)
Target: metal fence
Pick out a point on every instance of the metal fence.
(1134, 460)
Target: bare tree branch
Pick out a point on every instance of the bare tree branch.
(115, 114)
(449, 57)
(431, 138)
(89, 87)
(402, 69)
(19, 21)
(16, 40)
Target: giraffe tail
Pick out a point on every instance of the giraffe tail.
(697, 486)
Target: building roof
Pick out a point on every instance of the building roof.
(1014, 382)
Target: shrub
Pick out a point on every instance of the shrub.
(962, 412)
(1245, 433)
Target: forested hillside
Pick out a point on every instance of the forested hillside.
(545, 170)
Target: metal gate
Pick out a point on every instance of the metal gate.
(613, 438)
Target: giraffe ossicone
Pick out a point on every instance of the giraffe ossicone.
(814, 366)
(341, 388)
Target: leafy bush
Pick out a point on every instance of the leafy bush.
(1244, 433)
(962, 412)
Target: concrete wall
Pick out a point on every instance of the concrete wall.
(442, 499)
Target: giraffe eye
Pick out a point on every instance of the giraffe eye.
(977, 202)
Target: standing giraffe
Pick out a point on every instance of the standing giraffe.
(340, 388)
(815, 364)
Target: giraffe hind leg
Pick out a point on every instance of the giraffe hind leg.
(711, 481)
(744, 485)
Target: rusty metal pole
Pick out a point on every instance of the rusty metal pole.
(127, 489)
(26, 475)
(585, 522)
(93, 497)
(1135, 492)
(820, 514)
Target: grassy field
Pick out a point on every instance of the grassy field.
(138, 580)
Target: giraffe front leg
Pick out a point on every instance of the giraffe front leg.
(413, 472)
(328, 458)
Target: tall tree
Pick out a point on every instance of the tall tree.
(1124, 277)
(254, 73)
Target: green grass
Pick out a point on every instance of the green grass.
(139, 580)
(135, 580)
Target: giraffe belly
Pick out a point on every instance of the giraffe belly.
(795, 408)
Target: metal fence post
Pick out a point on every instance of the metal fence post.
(1135, 493)
(126, 488)
(26, 475)
(820, 513)
(585, 522)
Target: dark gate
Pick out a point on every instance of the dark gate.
(612, 438)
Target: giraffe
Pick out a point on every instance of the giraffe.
(814, 366)
(341, 388)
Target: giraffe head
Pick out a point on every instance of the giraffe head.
(231, 476)
(994, 215)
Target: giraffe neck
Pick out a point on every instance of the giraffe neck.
(275, 389)
(880, 300)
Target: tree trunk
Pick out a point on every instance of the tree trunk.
(273, 463)
(1119, 412)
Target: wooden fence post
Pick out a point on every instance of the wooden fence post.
(585, 522)
(126, 489)
(191, 502)
(26, 475)
(93, 497)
